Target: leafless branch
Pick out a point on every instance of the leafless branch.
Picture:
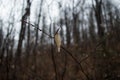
(75, 61)
(53, 60)
(65, 66)
(63, 49)
(39, 29)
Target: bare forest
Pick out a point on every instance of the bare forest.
(89, 47)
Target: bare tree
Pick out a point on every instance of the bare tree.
(98, 14)
(28, 34)
(92, 26)
(35, 48)
(67, 21)
(20, 42)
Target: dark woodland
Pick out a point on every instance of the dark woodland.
(90, 37)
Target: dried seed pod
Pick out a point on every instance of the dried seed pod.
(57, 41)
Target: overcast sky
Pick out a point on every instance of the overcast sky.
(14, 7)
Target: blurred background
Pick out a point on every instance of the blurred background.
(89, 31)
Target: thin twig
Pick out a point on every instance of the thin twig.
(84, 59)
(39, 29)
(76, 61)
(57, 31)
(30, 72)
(53, 60)
(65, 66)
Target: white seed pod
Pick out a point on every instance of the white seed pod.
(58, 41)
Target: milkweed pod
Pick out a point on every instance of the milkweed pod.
(57, 41)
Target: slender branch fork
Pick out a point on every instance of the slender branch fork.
(67, 51)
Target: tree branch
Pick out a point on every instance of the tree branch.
(63, 49)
